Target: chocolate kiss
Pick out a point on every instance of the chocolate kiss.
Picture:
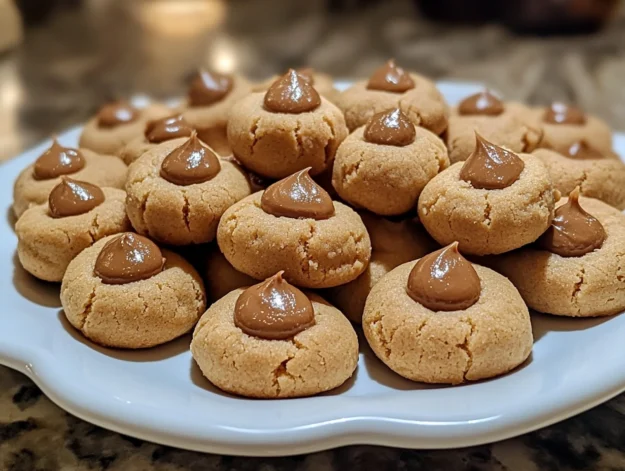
(291, 93)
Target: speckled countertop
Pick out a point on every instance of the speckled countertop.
(79, 57)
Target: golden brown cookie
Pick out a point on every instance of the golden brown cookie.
(220, 277)
(391, 87)
(393, 242)
(575, 285)
(294, 226)
(323, 83)
(384, 166)
(50, 235)
(124, 301)
(118, 123)
(452, 341)
(286, 129)
(507, 124)
(34, 183)
(303, 349)
(177, 192)
(602, 178)
(494, 202)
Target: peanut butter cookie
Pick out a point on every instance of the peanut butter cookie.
(220, 277)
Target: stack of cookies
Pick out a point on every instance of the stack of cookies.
(290, 209)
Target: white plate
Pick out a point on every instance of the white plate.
(160, 395)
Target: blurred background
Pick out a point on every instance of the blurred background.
(61, 59)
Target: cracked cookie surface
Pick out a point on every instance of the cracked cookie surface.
(46, 245)
(603, 179)
(384, 179)
(175, 214)
(488, 339)
(276, 145)
(312, 253)
(515, 129)
(586, 286)
(488, 221)
(423, 104)
(101, 170)
(318, 359)
(139, 314)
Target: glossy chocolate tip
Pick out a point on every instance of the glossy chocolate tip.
(391, 128)
(483, 103)
(168, 128)
(490, 167)
(117, 113)
(297, 196)
(583, 151)
(561, 113)
(190, 163)
(291, 94)
(273, 310)
(390, 78)
(207, 88)
(56, 161)
(444, 281)
(73, 197)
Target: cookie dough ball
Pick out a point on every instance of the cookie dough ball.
(294, 226)
(209, 100)
(392, 87)
(118, 123)
(177, 192)
(577, 268)
(323, 83)
(494, 202)
(510, 125)
(220, 277)
(384, 166)
(602, 178)
(468, 323)
(565, 125)
(34, 183)
(393, 242)
(274, 341)
(125, 292)
(50, 235)
(286, 129)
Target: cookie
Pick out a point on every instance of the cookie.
(323, 83)
(274, 341)
(600, 177)
(34, 183)
(294, 226)
(118, 123)
(285, 130)
(384, 166)
(392, 87)
(209, 100)
(577, 268)
(444, 320)
(494, 202)
(125, 292)
(220, 277)
(565, 125)
(177, 192)
(78, 214)
(393, 242)
(509, 125)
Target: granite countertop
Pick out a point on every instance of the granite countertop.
(79, 57)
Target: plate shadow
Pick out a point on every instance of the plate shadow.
(36, 291)
(543, 323)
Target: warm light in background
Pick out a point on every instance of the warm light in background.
(222, 55)
(180, 18)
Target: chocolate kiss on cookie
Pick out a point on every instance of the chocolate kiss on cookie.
(573, 232)
(482, 103)
(73, 197)
(297, 196)
(391, 128)
(581, 150)
(208, 88)
(273, 310)
(561, 113)
(190, 163)
(390, 78)
(291, 93)
(57, 161)
(444, 281)
(116, 113)
(128, 257)
(165, 129)
(491, 167)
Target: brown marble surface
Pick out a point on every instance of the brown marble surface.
(79, 57)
